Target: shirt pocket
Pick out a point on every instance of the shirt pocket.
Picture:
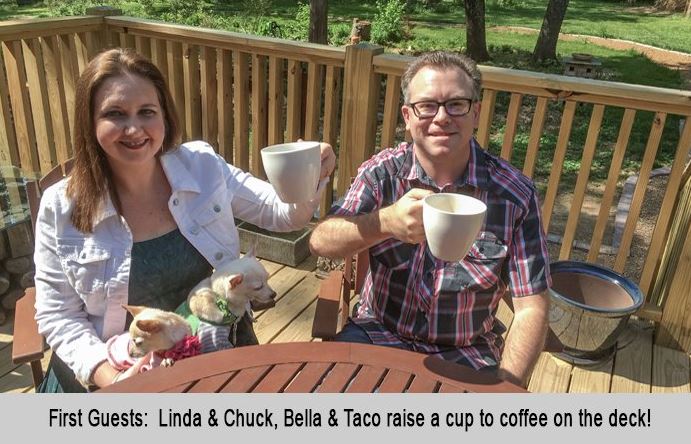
(480, 270)
(486, 258)
(85, 266)
(215, 217)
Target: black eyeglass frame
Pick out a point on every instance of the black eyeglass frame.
(439, 105)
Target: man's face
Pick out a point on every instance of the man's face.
(442, 135)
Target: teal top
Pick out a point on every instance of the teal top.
(164, 270)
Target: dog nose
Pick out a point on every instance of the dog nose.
(273, 295)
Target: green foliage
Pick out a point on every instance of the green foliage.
(387, 26)
(257, 8)
(76, 7)
(299, 28)
(338, 33)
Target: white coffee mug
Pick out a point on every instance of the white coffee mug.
(452, 222)
(293, 169)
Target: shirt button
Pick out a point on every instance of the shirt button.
(176, 202)
(218, 256)
(194, 229)
(217, 208)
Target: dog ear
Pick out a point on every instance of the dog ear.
(133, 309)
(149, 325)
(235, 279)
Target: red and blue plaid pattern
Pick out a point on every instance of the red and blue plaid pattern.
(414, 301)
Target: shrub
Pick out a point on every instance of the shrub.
(387, 26)
(339, 33)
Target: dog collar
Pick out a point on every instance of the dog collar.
(193, 320)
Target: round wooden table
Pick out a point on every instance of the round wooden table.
(305, 367)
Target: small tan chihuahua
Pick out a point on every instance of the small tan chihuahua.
(236, 283)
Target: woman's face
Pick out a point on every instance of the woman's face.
(128, 120)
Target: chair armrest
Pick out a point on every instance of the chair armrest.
(328, 303)
(27, 343)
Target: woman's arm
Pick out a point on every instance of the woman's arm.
(256, 201)
(59, 309)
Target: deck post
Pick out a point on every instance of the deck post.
(103, 40)
(674, 330)
(359, 117)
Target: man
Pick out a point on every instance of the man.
(412, 300)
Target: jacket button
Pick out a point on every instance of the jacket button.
(218, 256)
(176, 202)
(217, 208)
(194, 229)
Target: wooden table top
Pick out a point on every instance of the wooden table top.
(304, 367)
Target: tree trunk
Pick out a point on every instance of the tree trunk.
(546, 47)
(318, 21)
(688, 9)
(475, 30)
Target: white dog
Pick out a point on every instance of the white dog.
(221, 300)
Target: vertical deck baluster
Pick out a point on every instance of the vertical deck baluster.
(209, 96)
(511, 125)
(315, 78)
(294, 128)
(391, 110)
(241, 108)
(535, 135)
(225, 104)
(260, 115)
(582, 181)
(641, 186)
(489, 98)
(558, 162)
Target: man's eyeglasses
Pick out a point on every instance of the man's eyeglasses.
(426, 109)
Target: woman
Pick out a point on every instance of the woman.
(140, 220)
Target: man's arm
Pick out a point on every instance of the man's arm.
(340, 236)
(526, 338)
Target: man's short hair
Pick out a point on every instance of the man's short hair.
(443, 60)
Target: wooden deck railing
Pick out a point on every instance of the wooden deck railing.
(241, 93)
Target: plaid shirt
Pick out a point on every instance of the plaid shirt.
(412, 300)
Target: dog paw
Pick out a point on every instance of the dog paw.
(167, 362)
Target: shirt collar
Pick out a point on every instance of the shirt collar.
(475, 174)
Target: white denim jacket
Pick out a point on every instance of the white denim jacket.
(82, 279)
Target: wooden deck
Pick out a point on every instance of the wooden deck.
(638, 366)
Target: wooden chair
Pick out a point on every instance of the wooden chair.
(27, 344)
(340, 287)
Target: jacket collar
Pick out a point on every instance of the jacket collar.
(176, 172)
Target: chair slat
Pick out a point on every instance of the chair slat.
(558, 162)
(641, 187)
(581, 181)
(511, 125)
(611, 186)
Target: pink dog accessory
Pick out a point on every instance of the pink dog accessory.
(188, 347)
(119, 355)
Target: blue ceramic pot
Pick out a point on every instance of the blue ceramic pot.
(590, 306)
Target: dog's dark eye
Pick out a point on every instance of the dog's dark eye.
(138, 341)
(259, 287)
